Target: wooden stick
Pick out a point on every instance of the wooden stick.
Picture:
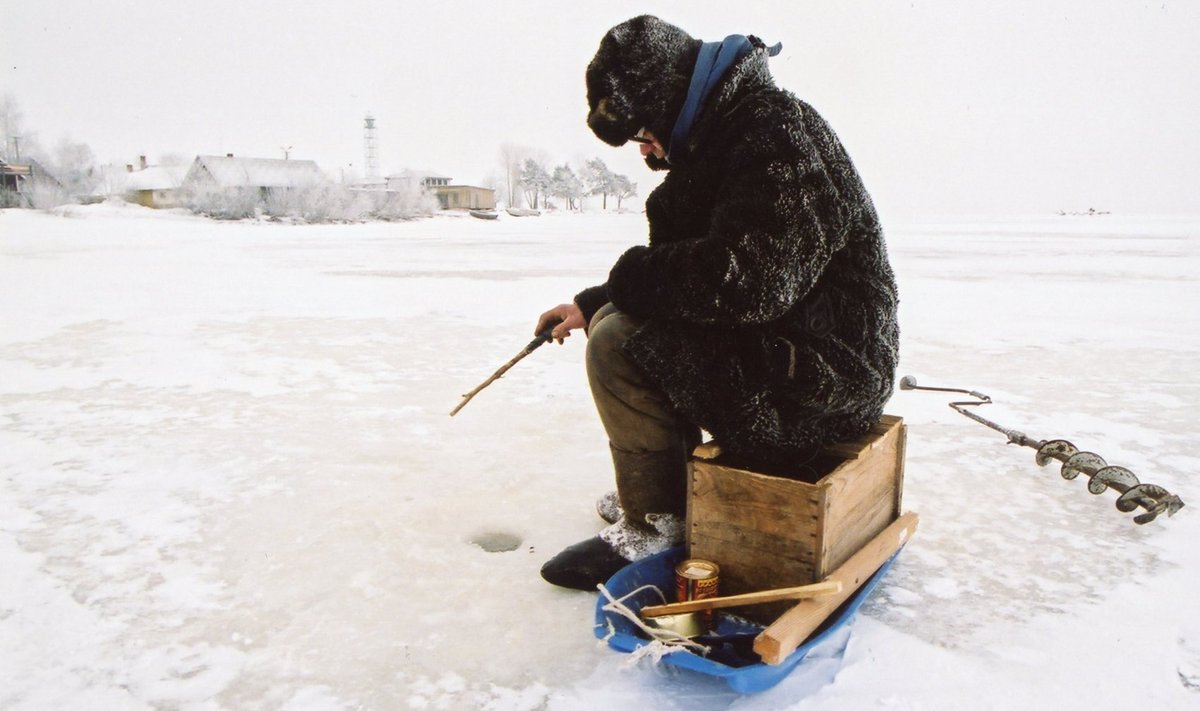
(782, 637)
(543, 337)
(800, 592)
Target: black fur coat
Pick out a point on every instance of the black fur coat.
(768, 299)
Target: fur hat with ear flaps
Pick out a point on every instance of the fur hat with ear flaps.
(639, 79)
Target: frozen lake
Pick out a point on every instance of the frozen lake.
(228, 479)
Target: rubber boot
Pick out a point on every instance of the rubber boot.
(650, 483)
(608, 506)
(651, 487)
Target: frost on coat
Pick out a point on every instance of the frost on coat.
(769, 301)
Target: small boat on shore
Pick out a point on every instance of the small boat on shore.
(484, 214)
(522, 212)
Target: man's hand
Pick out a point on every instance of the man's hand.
(569, 317)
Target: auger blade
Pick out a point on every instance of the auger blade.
(1146, 496)
(1118, 478)
(1082, 462)
(1056, 450)
(1147, 517)
(1171, 504)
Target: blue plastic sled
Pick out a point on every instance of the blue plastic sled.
(819, 657)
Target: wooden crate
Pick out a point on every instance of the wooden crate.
(775, 530)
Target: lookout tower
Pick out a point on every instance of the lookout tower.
(370, 150)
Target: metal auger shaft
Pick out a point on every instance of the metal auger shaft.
(1101, 476)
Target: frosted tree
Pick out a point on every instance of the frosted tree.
(535, 181)
(565, 184)
(407, 201)
(599, 180)
(75, 166)
(623, 188)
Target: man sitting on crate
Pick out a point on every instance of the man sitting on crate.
(763, 309)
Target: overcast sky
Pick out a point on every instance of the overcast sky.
(946, 106)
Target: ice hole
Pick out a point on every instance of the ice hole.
(497, 542)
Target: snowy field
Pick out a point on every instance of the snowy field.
(228, 479)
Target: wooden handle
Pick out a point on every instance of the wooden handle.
(707, 450)
(782, 637)
(800, 592)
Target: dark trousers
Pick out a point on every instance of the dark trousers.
(650, 441)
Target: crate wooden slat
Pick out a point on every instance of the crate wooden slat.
(767, 531)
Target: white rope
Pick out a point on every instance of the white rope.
(662, 642)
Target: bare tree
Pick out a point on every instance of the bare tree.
(17, 141)
(511, 159)
(496, 182)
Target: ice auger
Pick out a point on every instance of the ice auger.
(1101, 476)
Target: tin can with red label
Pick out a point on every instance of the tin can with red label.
(697, 579)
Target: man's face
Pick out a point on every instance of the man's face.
(649, 145)
(631, 80)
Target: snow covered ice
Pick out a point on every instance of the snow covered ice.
(228, 479)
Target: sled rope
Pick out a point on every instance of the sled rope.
(1101, 476)
(662, 642)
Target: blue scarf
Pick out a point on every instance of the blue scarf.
(715, 59)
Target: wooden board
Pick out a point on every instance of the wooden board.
(779, 639)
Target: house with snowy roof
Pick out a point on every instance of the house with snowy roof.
(19, 180)
(155, 186)
(266, 175)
